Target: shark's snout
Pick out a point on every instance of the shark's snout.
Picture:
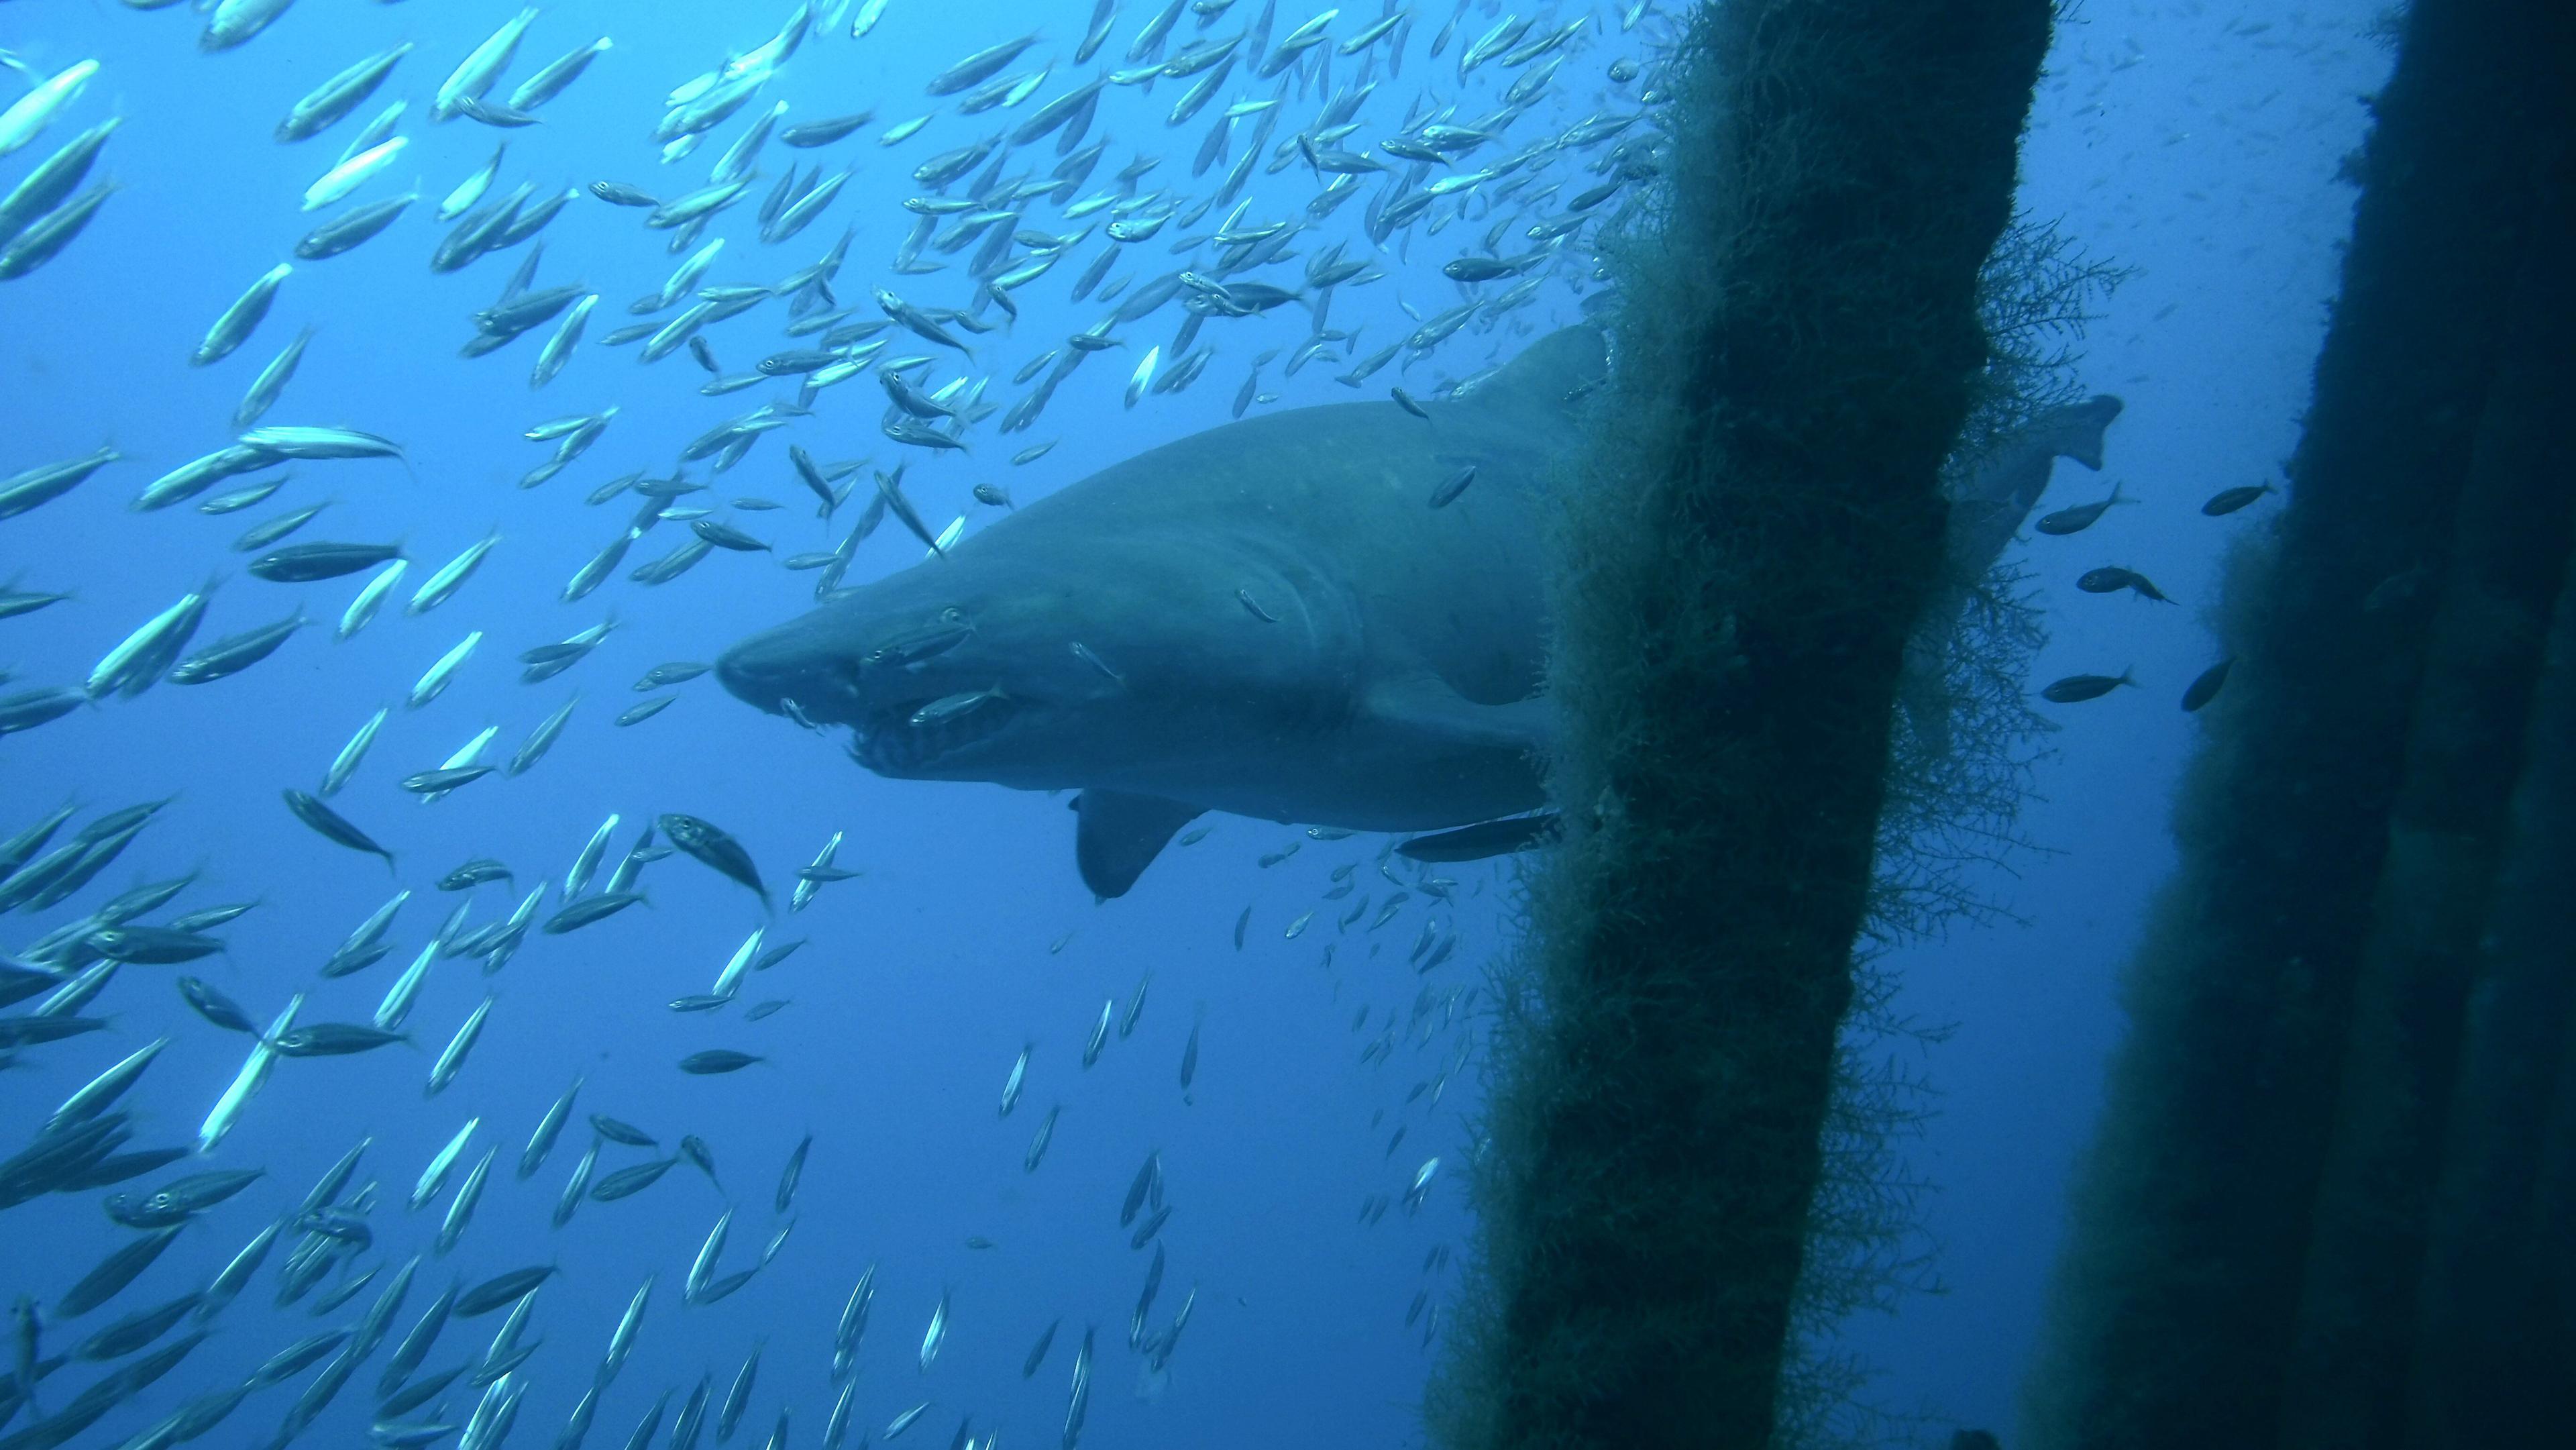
(742, 681)
(904, 715)
(773, 668)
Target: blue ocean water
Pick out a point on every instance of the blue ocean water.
(2193, 145)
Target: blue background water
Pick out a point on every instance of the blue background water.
(2193, 144)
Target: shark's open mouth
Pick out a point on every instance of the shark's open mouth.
(888, 742)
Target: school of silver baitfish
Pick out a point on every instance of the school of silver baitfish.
(1518, 128)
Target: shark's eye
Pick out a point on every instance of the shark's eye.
(953, 614)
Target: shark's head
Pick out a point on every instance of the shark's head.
(1034, 660)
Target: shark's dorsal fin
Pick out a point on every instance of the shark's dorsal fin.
(1119, 835)
(1550, 376)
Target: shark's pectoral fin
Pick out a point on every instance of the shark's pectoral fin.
(1119, 835)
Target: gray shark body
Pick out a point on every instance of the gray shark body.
(1269, 618)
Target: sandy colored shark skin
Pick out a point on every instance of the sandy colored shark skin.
(1989, 501)
(1272, 620)
(1268, 618)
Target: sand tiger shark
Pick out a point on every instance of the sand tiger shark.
(1270, 618)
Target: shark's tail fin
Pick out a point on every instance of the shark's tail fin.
(2075, 431)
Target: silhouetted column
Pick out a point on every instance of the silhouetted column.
(1756, 529)
(2252, 1229)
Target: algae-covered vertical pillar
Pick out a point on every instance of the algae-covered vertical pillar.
(2495, 1337)
(2484, 608)
(1754, 533)
(2254, 1229)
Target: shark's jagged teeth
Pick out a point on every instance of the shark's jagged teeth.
(887, 741)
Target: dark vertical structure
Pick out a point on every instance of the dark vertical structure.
(2493, 1341)
(2318, 1211)
(1759, 525)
